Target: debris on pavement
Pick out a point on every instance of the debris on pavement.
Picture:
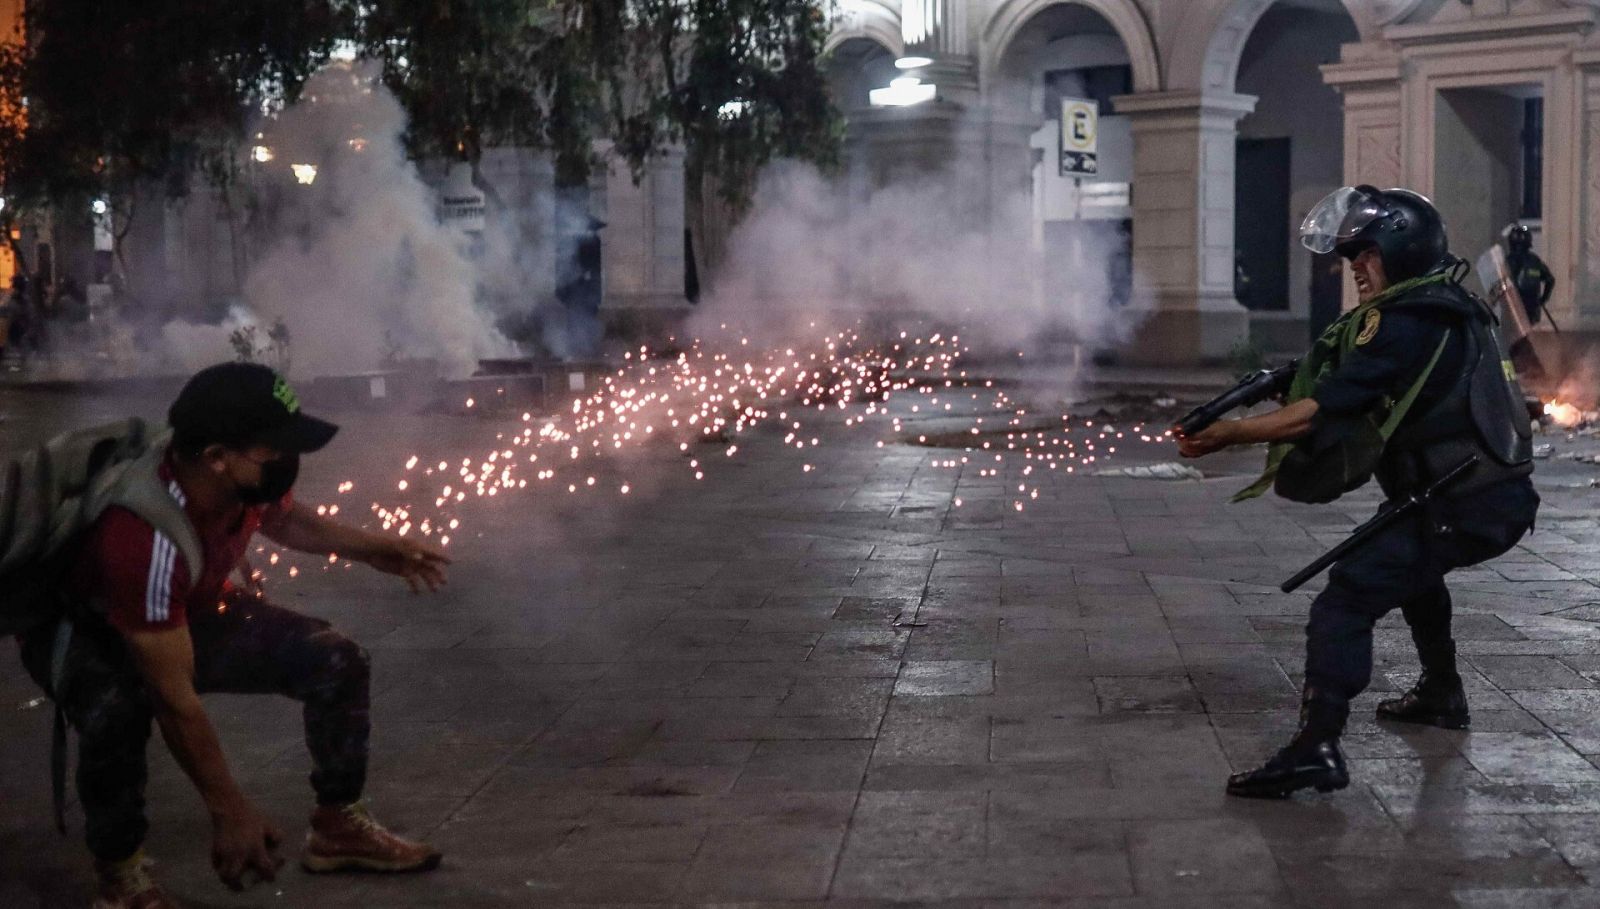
(1166, 470)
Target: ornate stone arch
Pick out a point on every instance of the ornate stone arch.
(1214, 65)
(1124, 15)
(868, 19)
(1217, 66)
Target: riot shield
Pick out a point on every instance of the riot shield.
(1501, 292)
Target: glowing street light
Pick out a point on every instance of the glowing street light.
(261, 154)
(903, 92)
(306, 174)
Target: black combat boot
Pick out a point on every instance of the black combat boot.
(1312, 758)
(1437, 700)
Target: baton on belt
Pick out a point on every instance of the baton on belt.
(1378, 522)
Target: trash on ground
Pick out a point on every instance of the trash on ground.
(1167, 470)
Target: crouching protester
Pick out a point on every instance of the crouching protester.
(1410, 386)
(151, 622)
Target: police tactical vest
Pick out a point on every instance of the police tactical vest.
(1341, 453)
(1483, 413)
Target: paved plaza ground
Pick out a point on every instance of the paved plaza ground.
(785, 688)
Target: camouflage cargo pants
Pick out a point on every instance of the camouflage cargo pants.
(247, 647)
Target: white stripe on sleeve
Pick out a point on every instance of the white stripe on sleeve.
(158, 586)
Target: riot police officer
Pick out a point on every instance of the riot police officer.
(1532, 277)
(1408, 385)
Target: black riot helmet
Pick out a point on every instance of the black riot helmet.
(1520, 239)
(1405, 227)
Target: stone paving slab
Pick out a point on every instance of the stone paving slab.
(780, 688)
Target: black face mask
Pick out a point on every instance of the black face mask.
(277, 478)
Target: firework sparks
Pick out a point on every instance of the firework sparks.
(713, 396)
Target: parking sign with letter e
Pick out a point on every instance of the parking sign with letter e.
(1080, 126)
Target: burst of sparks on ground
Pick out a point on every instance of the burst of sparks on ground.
(711, 393)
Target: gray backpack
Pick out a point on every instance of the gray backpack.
(51, 495)
(49, 498)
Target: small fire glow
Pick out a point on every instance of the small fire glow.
(1563, 414)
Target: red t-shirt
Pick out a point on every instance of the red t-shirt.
(137, 576)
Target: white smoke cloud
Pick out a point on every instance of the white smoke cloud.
(356, 262)
(811, 247)
(192, 347)
(358, 267)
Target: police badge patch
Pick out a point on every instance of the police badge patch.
(1369, 326)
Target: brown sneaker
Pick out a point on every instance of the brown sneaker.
(346, 838)
(127, 885)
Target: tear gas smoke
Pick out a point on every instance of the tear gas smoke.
(356, 262)
(810, 248)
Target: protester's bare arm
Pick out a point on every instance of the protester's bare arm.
(304, 530)
(242, 839)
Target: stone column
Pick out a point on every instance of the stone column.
(937, 30)
(642, 244)
(1183, 180)
(978, 159)
(1373, 128)
(1582, 301)
(521, 215)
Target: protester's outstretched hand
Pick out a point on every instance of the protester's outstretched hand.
(420, 565)
(244, 842)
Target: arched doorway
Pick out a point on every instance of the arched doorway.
(1290, 153)
(856, 66)
(1048, 58)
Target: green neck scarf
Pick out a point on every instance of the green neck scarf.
(1330, 348)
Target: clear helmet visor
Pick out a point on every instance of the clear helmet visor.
(1339, 217)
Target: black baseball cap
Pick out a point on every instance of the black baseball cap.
(240, 404)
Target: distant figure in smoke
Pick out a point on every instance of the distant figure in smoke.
(21, 310)
(154, 632)
(1534, 281)
(72, 302)
(1241, 280)
(580, 288)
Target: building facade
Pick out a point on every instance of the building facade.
(1222, 121)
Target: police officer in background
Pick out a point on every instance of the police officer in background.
(1407, 385)
(1532, 277)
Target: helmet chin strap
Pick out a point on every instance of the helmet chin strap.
(1453, 267)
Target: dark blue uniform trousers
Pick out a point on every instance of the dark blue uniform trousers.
(1404, 567)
